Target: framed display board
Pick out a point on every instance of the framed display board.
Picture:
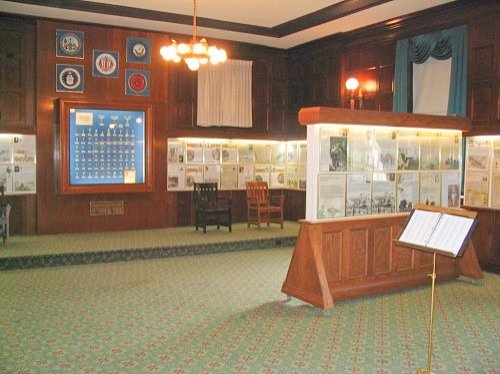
(104, 147)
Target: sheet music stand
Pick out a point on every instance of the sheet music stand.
(424, 230)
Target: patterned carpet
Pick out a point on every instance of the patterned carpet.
(224, 313)
(25, 252)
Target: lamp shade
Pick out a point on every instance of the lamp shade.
(351, 84)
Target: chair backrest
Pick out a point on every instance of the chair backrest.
(206, 193)
(257, 192)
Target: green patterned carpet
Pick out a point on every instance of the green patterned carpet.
(26, 252)
(224, 313)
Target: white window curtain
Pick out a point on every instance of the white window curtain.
(225, 94)
(431, 86)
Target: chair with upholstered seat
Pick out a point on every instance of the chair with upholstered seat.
(262, 206)
(210, 207)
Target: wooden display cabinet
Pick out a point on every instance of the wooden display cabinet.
(104, 147)
(342, 258)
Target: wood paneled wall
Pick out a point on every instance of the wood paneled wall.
(173, 98)
(284, 81)
(17, 103)
(62, 213)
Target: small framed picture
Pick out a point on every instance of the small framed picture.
(69, 78)
(105, 64)
(138, 50)
(137, 82)
(69, 43)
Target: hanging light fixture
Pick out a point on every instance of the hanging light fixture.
(195, 53)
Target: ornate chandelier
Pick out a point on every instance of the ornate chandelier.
(195, 53)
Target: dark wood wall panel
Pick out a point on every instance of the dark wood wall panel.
(381, 250)
(284, 81)
(17, 103)
(60, 213)
(357, 256)
(332, 257)
(484, 74)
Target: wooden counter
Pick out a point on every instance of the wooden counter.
(353, 257)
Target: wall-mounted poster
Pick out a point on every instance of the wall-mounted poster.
(279, 153)
(6, 149)
(333, 149)
(194, 174)
(24, 149)
(70, 43)
(450, 190)
(175, 152)
(245, 174)
(331, 195)
(228, 177)
(407, 188)
(246, 153)
(495, 190)
(105, 64)
(229, 153)
(137, 82)
(430, 188)
(212, 153)
(69, 78)
(476, 188)
(262, 173)
(138, 50)
(450, 152)
(211, 174)
(24, 179)
(194, 152)
(292, 153)
(360, 149)
(359, 194)
(277, 178)
(6, 174)
(496, 156)
(429, 153)
(176, 177)
(408, 154)
(263, 153)
(478, 153)
(385, 149)
(384, 193)
(292, 176)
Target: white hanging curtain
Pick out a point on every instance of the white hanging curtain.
(225, 94)
(431, 86)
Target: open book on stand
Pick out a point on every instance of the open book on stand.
(445, 232)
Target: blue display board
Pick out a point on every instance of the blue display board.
(106, 146)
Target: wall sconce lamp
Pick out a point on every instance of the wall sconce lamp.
(352, 85)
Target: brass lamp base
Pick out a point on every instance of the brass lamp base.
(424, 371)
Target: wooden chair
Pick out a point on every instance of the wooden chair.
(210, 208)
(263, 206)
(4, 216)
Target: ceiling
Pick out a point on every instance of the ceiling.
(274, 23)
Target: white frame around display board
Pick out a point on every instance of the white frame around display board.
(18, 164)
(359, 170)
(482, 171)
(233, 162)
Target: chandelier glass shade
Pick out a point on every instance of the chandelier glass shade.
(196, 52)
